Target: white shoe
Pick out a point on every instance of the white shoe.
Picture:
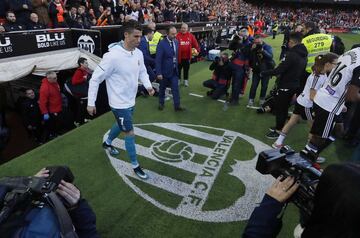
(276, 146)
(320, 160)
(250, 103)
(298, 231)
(186, 83)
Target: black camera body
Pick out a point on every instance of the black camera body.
(287, 163)
(35, 190)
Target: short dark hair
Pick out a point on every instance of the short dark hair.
(169, 28)
(7, 13)
(81, 60)
(147, 30)
(310, 25)
(131, 25)
(296, 37)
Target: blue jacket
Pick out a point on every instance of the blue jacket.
(148, 60)
(83, 217)
(166, 58)
(265, 221)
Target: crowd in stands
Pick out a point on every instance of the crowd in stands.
(38, 14)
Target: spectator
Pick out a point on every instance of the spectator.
(40, 7)
(331, 204)
(31, 115)
(167, 68)
(83, 18)
(187, 42)
(221, 77)
(71, 17)
(290, 71)
(50, 103)
(11, 23)
(22, 10)
(261, 59)
(34, 24)
(56, 11)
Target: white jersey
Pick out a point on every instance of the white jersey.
(331, 97)
(313, 82)
(122, 71)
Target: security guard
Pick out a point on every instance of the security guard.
(156, 38)
(316, 43)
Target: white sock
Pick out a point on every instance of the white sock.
(280, 139)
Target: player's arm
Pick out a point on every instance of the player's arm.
(102, 71)
(353, 93)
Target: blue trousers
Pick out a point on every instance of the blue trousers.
(255, 83)
(237, 81)
(173, 83)
(356, 155)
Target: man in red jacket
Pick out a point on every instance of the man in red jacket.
(50, 103)
(187, 42)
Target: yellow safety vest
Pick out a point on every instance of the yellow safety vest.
(316, 44)
(155, 41)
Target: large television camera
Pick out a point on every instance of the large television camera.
(35, 190)
(287, 163)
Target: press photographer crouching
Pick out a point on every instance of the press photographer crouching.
(45, 205)
(328, 201)
(221, 77)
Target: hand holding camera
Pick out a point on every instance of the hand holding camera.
(282, 190)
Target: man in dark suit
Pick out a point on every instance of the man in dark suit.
(144, 47)
(167, 68)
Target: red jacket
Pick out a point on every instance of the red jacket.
(79, 77)
(187, 41)
(50, 100)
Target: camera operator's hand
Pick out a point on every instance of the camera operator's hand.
(43, 173)
(283, 190)
(69, 192)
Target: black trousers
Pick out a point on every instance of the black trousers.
(217, 89)
(281, 106)
(186, 65)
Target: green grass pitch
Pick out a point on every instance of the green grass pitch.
(120, 211)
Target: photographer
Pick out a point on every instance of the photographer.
(221, 77)
(261, 59)
(42, 221)
(240, 45)
(335, 213)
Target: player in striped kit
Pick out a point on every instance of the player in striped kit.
(304, 102)
(343, 84)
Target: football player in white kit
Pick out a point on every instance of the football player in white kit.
(304, 102)
(343, 84)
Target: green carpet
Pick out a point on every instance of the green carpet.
(121, 212)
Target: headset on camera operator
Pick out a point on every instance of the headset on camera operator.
(221, 78)
(45, 205)
(335, 213)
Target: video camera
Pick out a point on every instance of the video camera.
(32, 189)
(287, 163)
